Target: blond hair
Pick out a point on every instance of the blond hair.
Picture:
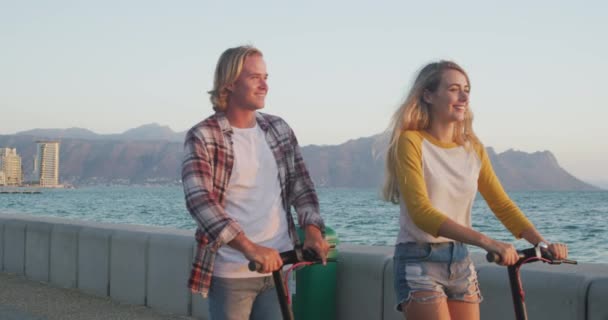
(413, 114)
(228, 69)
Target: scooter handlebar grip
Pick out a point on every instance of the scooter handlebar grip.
(254, 266)
(493, 257)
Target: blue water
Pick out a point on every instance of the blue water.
(358, 215)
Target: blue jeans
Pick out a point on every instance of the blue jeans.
(243, 299)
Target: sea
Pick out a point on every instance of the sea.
(358, 216)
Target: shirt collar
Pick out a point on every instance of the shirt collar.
(227, 128)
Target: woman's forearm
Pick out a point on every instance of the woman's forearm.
(532, 235)
(455, 231)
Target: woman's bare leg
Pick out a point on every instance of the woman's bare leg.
(431, 309)
(460, 310)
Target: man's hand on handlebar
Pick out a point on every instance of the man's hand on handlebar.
(268, 259)
(315, 241)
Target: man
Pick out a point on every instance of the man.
(242, 173)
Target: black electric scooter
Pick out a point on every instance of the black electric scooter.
(537, 253)
(289, 257)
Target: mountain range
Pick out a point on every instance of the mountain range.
(152, 132)
(151, 154)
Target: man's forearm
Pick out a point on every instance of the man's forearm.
(242, 244)
(313, 230)
(268, 258)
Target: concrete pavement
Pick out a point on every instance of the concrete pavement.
(22, 299)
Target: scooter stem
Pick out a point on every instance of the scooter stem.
(519, 303)
(278, 283)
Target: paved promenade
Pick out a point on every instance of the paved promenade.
(22, 299)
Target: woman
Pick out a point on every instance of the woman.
(435, 166)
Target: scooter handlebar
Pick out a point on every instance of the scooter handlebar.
(525, 254)
(290, 257)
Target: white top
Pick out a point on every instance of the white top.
(451, 180)
(439, 181)
(253, 199)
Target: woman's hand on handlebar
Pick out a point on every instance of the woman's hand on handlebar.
(506, 251)
(315, 241)
(559, 251)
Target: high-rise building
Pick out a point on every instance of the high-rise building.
(46, 163)
(10, 167)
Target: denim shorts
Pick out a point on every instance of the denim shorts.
(444, 268)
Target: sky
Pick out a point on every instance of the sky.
(337, 69)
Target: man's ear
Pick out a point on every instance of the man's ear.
(229, 87)
(427, 96)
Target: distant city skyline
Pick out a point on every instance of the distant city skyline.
(46, 163)
(45, 172)
(337, 70)
(10, 167)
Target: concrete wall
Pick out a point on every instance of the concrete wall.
(131, 264)
(150, 266)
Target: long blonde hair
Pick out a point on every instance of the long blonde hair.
(413, 114)
(228, 69)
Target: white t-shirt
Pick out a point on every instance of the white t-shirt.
(253, 199)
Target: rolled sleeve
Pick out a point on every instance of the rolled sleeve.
(201, 201)
(304, 199)
(227, 234)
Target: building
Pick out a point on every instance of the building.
(46, 163)
(10, 167)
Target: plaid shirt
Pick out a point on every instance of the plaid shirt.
(206, 170)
